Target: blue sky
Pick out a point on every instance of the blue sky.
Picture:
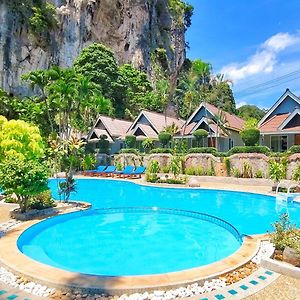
(251, 42)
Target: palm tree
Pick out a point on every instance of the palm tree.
(40, 79)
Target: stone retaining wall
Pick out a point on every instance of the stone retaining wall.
(256, 162)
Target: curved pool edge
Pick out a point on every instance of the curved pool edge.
(17, 262)
(142, 182)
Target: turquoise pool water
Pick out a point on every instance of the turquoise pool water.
(137, 241)
(129, 241)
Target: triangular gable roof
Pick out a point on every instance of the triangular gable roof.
(231, 121)
(289, 119)
(114, 127)
(146, 129)
(203, 120)
(158, 121)
(286, 94)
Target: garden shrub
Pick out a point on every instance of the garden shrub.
(203, 150)
(296, 174)
(103, 144)
(294, 149)
(199, 135)
(246, 170)
(250, 136)
(161, 150)
(23, 178)
(88, 162)
(276, 170)
(42, 201)
(164, 138)
(197, 171)
(249, 149)
(259, 174)
(285, 234)
(236, 172)
(227, 165)
(130, 141)
(176, 166)
(165, 169)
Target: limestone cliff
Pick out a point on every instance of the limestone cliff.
(131, 28)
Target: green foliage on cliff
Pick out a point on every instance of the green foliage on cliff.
(38, 15)
(182, 12)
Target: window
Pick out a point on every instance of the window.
(279, 143)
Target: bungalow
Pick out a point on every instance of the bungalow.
(280, 127)
(149, 124)
(223, 127)
(114, 129)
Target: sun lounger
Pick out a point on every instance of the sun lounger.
(107, 172)
(137, 173)
(92, 172)
(127, 170)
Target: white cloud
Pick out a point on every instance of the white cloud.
(241, 103)
(265, 58)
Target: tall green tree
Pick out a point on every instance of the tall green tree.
(250, 111)
(99, 64)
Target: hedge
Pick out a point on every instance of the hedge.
(203, 150)
(249, 149)
(161, 150)
(130, 150)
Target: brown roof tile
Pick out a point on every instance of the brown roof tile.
(115, 127)
(232, 121)
(160, 122)
(272, 124)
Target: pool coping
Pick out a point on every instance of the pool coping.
(13, 259)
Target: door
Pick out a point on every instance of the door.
(297, 139)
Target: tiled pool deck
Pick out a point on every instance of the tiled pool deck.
(242, 289)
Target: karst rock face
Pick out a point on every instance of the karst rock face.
(133, 29)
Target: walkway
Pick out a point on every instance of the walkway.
(10, 293)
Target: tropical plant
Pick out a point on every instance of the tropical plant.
(247, 170)
(153, 167)
(23, 178)
(227, 165)
(20, 139)
(296, 174)
(259, 174)
(67, 186)
(148, 144)
(88, 162)
(276, 171)
(285, 234)
(176, 166)
(250, 136)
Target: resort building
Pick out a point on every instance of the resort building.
(114, 129)
(280, 127)
(223, 127)
(149, 124)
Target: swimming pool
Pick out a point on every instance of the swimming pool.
(139, 230)
(130, 241)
